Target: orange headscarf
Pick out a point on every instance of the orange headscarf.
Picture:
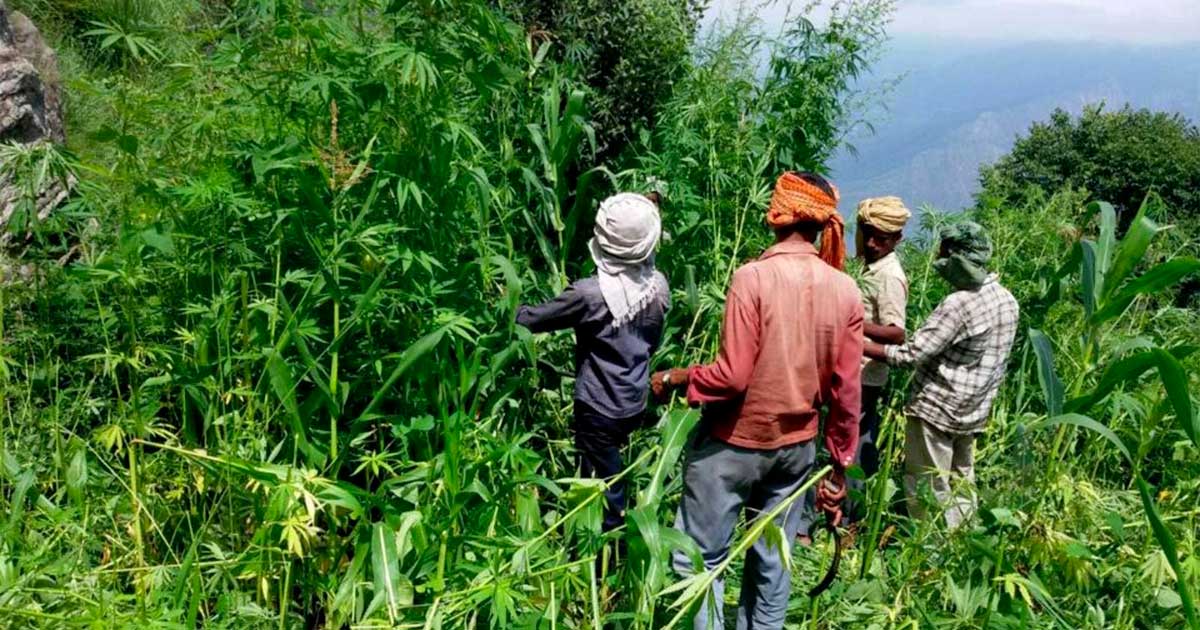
(800, 197)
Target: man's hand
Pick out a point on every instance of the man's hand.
(873, 350)
(664, 383)
(830, 495)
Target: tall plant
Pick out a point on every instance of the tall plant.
(1107, 270)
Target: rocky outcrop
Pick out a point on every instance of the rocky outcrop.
(29, 42)
(30, 110)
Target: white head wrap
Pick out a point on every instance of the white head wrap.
(627, 231)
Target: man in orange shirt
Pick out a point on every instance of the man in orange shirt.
(791, 343)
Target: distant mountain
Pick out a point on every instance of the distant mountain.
(959, 105)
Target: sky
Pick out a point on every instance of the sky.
(975, 74)
(1114, 21)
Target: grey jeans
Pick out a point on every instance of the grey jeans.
(719, 481)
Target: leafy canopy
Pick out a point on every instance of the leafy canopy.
(1119, 156)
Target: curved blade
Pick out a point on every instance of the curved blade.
(832, 571)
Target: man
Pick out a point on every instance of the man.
(960, 354)
(881, 224)
(884, 287)
(791, 342)
(617, 316)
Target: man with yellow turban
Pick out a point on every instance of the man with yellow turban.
(791, 343)
(881, 222)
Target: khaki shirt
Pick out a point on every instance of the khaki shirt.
(885, 301)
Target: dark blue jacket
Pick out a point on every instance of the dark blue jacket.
(612, 365)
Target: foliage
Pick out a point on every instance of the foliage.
(1120, 156)
(807, 97)
(118, 32)
(1107, 289)
(281, 385)
(629, 52)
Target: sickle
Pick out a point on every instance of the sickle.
(832, 571)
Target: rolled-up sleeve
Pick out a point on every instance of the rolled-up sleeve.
(741, 331)
(845, 395)
(936, 334)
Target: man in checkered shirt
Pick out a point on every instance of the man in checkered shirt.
(960, 355)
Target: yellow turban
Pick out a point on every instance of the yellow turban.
(886, 214)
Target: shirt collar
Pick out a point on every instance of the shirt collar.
(789, 247)
(890, 259)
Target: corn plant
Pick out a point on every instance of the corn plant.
(1108, 287)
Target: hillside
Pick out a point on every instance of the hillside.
(959, 105)
(266, 372)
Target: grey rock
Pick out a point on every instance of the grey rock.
(29, 41)
(30, 111)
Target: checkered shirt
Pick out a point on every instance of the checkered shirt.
(960, 354)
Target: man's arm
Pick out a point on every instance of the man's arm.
(938, 333)
(567, 310)
(845, 408)
(845, 399)
(730, 375)
(885, 334)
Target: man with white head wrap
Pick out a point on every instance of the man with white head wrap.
(617, 316)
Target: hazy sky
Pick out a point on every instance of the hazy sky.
(1127, 21)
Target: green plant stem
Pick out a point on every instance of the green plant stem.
(285, 595)
(138, 544)
(887, 440)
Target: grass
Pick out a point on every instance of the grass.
(280, 384)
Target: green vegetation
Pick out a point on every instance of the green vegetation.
(277, 382)
(1120, 156)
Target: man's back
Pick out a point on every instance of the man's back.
(961, 355)
(612, 363)
(792, 341)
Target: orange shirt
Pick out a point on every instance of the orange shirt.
(791, 342)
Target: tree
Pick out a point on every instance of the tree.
(630, 53)
(1117, 156)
